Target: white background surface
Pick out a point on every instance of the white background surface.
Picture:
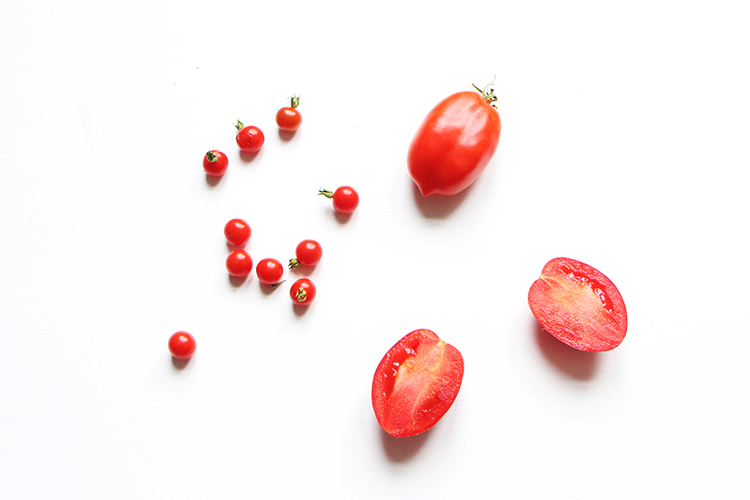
(624, 145)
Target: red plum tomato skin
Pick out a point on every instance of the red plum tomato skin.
(288, 119)
(250, 139)
(182, 345)
(237, 232)
(579, 306)
(239, 264)
(303, 292)
(269, 271)
(454, 144)
(215, 163)
(416, 383)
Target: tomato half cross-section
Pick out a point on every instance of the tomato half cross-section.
(455, 142)
(416, 383)
(579, 305)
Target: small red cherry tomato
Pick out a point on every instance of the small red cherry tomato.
(309, 253)
(249, 138)
(182, 345)
(345, 199)
(579, 305)
(215, 163)
(269, 271)
(455, 142)
(303, 292)
(289, 118)
(239, 263)
(416, 383)
(237, 232)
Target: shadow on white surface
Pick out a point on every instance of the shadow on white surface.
(403, 449)
(437, 206)
(576, 364)
(180, 364)
(248, 157)
(213, 180)
(286, 135)
(236, 281)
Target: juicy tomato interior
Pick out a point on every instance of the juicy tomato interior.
(579, 305)
(416, 383)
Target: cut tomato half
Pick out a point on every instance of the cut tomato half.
(579, 305)
(416, 383)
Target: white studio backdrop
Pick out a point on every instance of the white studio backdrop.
(623, 146)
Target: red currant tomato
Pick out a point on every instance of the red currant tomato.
(237, 232)
(239, 263)
(416, 383)
(579, 305)
(454, 143)
(182, 345)
(309, 253)
(215, 163)
(303, 292)
(345, 199)
(249, 138)
(289, 118)
(269, 271)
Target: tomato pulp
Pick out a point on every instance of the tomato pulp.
(454, 143)
(416, 383)
(579, 305)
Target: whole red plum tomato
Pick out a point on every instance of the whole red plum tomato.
(249, 138)
(416, 383)
(455, 142)
(579, 305)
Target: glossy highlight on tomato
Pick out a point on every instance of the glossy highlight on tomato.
(455, 142)
(416, 383)
(579, 305)
(182, 345)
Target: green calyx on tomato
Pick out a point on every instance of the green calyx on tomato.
(455, 142)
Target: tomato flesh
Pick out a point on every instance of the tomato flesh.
(416, 383)
(579, 305)
(454, 144)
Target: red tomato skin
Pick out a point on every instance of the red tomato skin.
(345, 199)
(416, 383)
(239, 263)
(218, 166)
(454, 144)
(309, 252)
(288, 119)
(579, 306)
(269, 271)
(250, 139)
(303, 292)
(182, 345)
(237, 232)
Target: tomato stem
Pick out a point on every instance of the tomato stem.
(239, 125)
(211, 157)
(295, 101)
(293, 263)
(488, 93)
(276, 284)
(328, 194)
(301, 294)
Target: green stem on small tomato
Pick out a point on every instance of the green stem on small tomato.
(301, 294)
(293, 263)
(488, 93)
(328, 194)
(239, 125)
(211, 156)
(295, 101)
(277, 284)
